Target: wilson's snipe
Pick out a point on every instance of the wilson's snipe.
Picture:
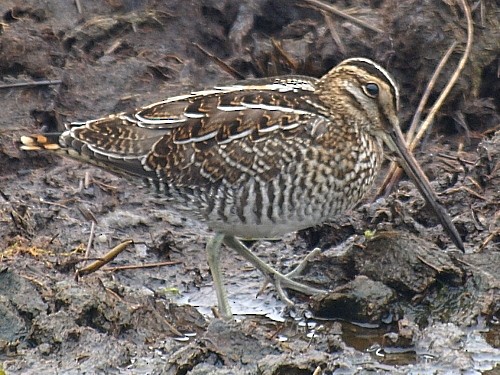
(259, 158)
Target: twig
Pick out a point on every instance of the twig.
(475, 183)
(488, 239)
(53, 204)
(174, 330)
(31, 84)
(466, 189)
(78, 6)
(91, 238)
(94, 266)
(430, 86)
(439, 102)
(281, 52)
(412, 143)
(395, 171)
(455, 158)
(140, 266)
(221, 63)
(113, 47)
(334, 33)
(34, 280)
(333, 10)
(438, 270)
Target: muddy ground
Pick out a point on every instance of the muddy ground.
(405, 300)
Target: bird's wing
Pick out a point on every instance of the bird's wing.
(205, 136)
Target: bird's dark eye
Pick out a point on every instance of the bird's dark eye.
(371, 89)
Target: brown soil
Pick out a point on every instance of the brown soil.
(407, 299)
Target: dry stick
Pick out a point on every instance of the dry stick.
(488, 239)
(439, 102)
(174, 330)
(108, 257)
(91, 238)
(221, 63)
(332, 9)
(279, 49)
(475, 183)
(468, 190)
(430, 86)
(113, 47)
(141, 266)
(395, 171)
(31, 84)
(449, 157)
(78, 6)
(435, 268)
(41, 200)
(333, 32)
(435, 108)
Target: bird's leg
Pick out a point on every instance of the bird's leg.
(213, 256)
(279, 280)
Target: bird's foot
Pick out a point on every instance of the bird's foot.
(282, 281)
(279, 280)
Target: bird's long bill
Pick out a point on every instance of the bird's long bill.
(396, 143)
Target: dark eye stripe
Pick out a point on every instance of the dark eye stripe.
(376, 71)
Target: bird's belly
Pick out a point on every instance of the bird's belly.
(262, 217)
(260, 231)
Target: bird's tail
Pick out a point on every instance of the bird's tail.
(47, 141)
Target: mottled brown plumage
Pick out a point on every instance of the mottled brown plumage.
(259, 158)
